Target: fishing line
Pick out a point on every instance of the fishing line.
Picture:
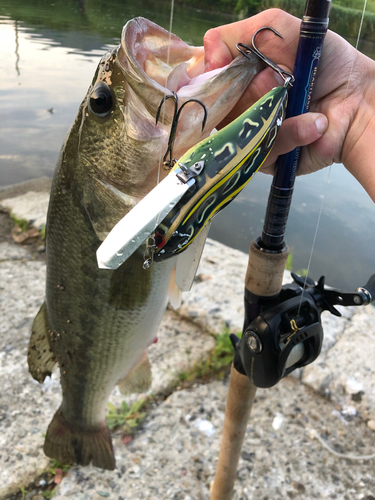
(332, 155)
(165, 84)
(349, 456)
(360, 25)
(316, 233)
(149, 252)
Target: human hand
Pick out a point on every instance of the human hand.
(341, 124)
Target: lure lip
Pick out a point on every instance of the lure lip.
(138, 224)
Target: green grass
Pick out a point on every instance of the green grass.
(128, 419)
(289, 265)
(48, 493)
(302, 272)
(24, 492)
(215, 366)
(24, 224)
(289, 261)
(345, 16)
(42, 232)
(57, 465)
(357, 5)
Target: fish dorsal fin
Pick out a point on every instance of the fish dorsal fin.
(138, 379)
(188, 261)
(40, 357)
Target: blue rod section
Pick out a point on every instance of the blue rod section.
(313, 29)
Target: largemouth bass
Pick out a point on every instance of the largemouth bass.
(95, 323)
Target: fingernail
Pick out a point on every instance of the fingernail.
(321, 124)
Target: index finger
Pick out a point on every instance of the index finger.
(220, 43)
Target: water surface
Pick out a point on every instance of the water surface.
(49, 52)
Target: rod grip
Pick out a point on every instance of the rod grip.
(265, 270)
(241, 395)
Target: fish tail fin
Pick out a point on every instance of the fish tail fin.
(40, 357)
(70, 444)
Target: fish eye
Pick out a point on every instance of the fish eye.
(100, 100)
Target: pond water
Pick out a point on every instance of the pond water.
(49, 52)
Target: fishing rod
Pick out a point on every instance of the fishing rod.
(268, 254)
(282, 327)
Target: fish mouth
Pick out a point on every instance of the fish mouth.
(163, 57)
(157, 63)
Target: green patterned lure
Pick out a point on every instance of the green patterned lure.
(227, 161)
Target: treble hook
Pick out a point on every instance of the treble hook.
(244, 49)
(169, 163)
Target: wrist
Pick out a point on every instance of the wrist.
(358, 153)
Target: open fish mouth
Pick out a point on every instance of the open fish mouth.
(157, 63)
(165, 58)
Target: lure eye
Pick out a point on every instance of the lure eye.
(159, 240)
(100, 100)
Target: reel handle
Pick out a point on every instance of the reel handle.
(369, 289)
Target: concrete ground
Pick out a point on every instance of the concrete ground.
(174, 453)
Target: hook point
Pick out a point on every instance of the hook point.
(244, 49)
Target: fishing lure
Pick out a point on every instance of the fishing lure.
(202, 182)
(230, 159)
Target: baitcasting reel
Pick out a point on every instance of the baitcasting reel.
(289, 335)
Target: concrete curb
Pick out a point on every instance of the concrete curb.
(344, 371)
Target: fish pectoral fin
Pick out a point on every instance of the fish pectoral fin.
(138, 380)
(40, 357)
(174, 293)
(69, 443)
(105, 205)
